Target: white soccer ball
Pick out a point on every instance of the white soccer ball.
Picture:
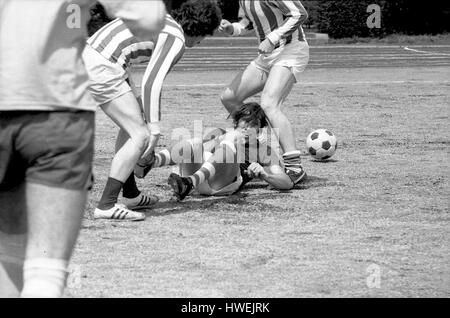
(321, 144)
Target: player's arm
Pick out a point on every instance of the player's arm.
(296, 15)
(168, 51)
(243, 27)
(145, 19)
(274, 175)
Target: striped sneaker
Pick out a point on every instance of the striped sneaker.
(294, 168)
(118, 213)
(142, 202)
(181, 186)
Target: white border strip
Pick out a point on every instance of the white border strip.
(319, 83)
(425, 52)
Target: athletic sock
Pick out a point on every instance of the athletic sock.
(225, 154)
(162, 159)
(44, 278)
(206, 172)
(110, 194)
(130, 189)
(292, 159)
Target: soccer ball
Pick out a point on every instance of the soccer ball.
(321, 144)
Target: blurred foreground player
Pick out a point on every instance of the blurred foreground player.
(46, 135)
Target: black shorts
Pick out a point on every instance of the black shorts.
(49, 148)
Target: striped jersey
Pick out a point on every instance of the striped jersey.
(117, 44)
(278, 20)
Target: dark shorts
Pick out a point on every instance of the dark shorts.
(49, 148)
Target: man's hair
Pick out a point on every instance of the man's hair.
(198, 17)
(251, 113)
(99, 18)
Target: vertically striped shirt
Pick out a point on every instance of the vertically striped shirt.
(118, 45)
(277, 20)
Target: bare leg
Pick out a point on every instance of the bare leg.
(246, 84)
(126, 113)
(279, 85)
(53, 225)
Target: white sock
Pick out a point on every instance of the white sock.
(44, 278)
(292, 153)
(206, 172)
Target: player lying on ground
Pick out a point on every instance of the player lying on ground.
(227, 162)
(283, 56)
(109, 55)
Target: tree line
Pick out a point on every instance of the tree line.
(352, 18)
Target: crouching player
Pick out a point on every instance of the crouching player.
(229, 161)
(109, 55)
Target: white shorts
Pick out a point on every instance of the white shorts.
(294, 56)
(205, 188)
(107, 80)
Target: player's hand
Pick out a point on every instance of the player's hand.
(266, 47)
(255, 170)
(226, 27)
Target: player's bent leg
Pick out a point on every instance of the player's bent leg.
(246, 84)
(126, 113)
(217, 164)
(133, 198)
(278, 86)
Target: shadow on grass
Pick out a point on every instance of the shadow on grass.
(245, 198)
(325, 161)
(197, 202)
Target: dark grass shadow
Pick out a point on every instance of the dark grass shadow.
(325, 161)
(245, 198)
(312, 182)
(197, 202)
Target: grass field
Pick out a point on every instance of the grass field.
(382, 203)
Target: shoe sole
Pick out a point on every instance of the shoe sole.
(117, 220)
(175, 187)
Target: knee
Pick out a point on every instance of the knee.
(142, 139)
(229, 100)
(269, 104)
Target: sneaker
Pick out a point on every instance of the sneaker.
(142, 202)
(119, 213)
(144, 166)
(296, 174)
(181, 186)
(294, 168)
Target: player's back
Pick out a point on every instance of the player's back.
(40, 54)
(117, 44)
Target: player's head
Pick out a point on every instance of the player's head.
(198, 18)
(99, 18)
(249, 115)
